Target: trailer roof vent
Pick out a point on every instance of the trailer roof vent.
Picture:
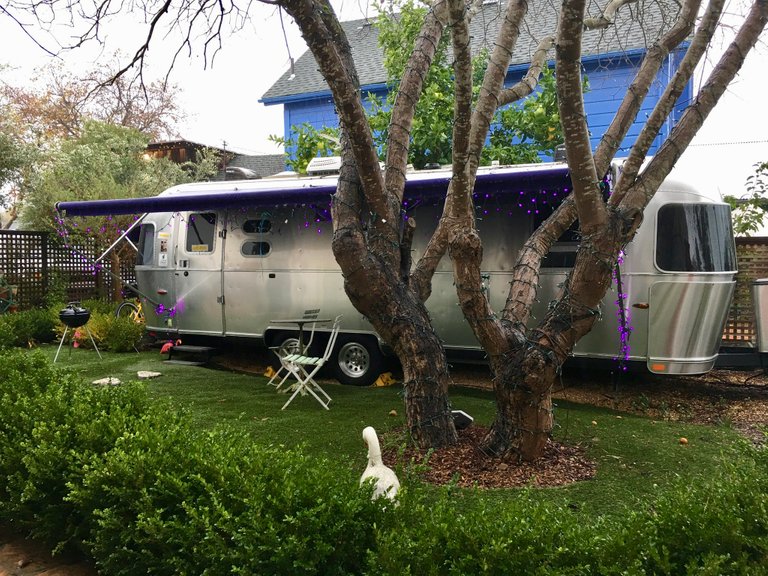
(324, 165)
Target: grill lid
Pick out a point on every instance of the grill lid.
(74, 315)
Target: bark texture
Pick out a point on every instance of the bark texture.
(370, 243)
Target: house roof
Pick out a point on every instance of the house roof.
(263, 165)
(655, 16)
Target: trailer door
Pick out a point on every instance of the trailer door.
(198, 274)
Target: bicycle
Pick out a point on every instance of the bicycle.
(7, 302)
(131, 308)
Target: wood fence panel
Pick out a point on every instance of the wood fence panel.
(35, 263)
(24, 264)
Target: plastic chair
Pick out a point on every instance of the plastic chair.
(304, 369)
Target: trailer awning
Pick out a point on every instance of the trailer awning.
(217, 195)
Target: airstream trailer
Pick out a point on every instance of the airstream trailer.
(228, 258)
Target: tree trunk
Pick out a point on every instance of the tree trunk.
(402, 320)
(117, 289)
(523, 421)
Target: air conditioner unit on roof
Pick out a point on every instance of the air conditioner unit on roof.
(324, 165)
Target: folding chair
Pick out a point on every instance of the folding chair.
(304, 369)
(284, 350)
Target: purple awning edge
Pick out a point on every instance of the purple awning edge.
(293, 196)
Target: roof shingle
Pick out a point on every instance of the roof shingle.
(654, 17)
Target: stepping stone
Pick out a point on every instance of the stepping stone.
(147, 375)
(110, 381)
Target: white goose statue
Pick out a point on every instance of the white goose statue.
(387, 483)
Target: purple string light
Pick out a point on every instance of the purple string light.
(622, 315)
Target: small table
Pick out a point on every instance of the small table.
(300, 322)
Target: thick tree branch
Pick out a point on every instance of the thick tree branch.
(488, 102)
(638, 90)
(578, 148)
(524, 286)
(608, 16)
(408, 94)
(465, 246)
(666, 103)
(493, 82)
(722, 75)
(326, 39)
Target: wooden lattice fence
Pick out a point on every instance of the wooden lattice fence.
(752, 255)
(36, 264)
(24, 264)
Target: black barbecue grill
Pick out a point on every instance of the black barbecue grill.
(75, 316)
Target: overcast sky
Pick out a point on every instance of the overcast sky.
(221, 100)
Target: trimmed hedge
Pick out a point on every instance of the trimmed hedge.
(130, 482)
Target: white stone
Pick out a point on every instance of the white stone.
(146, 375)
(107, 381)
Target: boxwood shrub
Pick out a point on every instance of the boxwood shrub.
(132, 483)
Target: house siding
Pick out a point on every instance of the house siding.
(609, 78)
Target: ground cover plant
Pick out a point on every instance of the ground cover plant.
(199, 471)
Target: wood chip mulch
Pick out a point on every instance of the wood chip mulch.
(467, 466)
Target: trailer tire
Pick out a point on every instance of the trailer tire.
(283, 343)
(357, 360)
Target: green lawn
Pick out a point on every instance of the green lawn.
(636, 456)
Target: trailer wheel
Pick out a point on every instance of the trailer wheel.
(283, 343)
(358, 360)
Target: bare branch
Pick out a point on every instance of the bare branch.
(722, 75)
(26, 31)
(528, 83)
(637, 91)
(666, 103)
(607, 17)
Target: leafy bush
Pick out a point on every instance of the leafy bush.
(108, 332)
(99, 306)
(135, 484)
(27, 327)
(54, 424)
(715, 527)
(123, 334)
(168, 500)
(7, 333)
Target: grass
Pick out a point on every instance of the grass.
(637, 457)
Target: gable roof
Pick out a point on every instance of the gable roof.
(655, 16)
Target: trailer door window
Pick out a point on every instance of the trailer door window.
(201, 231)
(146, 245)
(695, 238)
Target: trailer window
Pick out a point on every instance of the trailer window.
(261, 226)
(146, 245)
(255, 248)
(201, 230)
(695, 238)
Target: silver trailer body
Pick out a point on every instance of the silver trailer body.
(228, 272)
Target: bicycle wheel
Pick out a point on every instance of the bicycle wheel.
(127, 310)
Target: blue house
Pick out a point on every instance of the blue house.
(610, 60)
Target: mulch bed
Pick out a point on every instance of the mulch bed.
(465, 464)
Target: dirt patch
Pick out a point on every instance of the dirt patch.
(19, 557)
